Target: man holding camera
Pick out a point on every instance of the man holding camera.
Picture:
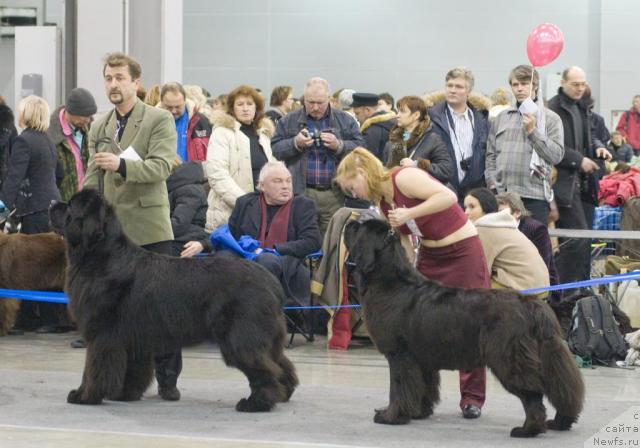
(525, 141)
(462, 122)
(312, 141)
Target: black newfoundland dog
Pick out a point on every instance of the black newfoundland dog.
(422, 327)
(130, 304)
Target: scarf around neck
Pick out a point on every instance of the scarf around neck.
(278, 231)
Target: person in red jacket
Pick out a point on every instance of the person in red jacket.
(193, 128)
(629, 125)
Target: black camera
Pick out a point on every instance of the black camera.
(465, 164)
(315, 135)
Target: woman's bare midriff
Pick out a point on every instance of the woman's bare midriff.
(466, 231)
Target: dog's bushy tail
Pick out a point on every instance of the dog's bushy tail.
(561, 377)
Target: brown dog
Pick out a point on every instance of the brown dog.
(30, 262)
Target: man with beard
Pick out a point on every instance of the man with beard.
(131, 149)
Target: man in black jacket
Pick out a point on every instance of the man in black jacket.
(576, 189)
(375, 125)
(282, 221)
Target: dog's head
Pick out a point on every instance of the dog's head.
(371, 242)
(84, 220)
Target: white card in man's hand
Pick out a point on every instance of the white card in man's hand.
(130, 154)
(528, 106)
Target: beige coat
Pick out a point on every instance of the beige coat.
(228, 166)
(513, 260)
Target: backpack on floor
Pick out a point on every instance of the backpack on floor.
(594, 332)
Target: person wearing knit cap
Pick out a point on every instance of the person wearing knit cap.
(68, 130)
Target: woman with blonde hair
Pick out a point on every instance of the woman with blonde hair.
(30, 185)
(152, 97)
(450, 250)
(239, 146)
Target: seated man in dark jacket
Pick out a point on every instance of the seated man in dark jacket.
(188, 208)
(282, 221)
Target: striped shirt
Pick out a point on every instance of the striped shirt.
(461, 128)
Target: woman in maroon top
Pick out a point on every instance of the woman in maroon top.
(450, 250)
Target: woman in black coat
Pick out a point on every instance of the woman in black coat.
(30, 185)
(413, 142)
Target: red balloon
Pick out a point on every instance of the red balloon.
(544, 44)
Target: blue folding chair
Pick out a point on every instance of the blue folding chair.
(300, 321)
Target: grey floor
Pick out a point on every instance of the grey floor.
(333, 407)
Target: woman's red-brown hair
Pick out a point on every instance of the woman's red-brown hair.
(245, 90)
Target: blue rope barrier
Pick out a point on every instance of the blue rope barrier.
(60, 297)
(36, 296)
(583, 283)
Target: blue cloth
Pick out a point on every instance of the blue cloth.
(222, 239)
(182, 126)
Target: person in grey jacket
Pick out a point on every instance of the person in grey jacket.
(524, 142)
(312, 141)
(414, 142)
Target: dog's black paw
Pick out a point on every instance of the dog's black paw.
(424, 413)
(560, 423)
(75, 397)
(522, 432)
(252, 404)
(383, 417)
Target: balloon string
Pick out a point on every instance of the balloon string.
(533, 70)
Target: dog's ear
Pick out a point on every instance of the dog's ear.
(58, 213)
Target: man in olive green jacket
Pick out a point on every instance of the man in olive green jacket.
(133, 146)
(131, 149)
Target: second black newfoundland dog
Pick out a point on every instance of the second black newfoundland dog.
(422, 327)
(130, 304)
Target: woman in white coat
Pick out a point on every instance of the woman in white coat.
(239, 146)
